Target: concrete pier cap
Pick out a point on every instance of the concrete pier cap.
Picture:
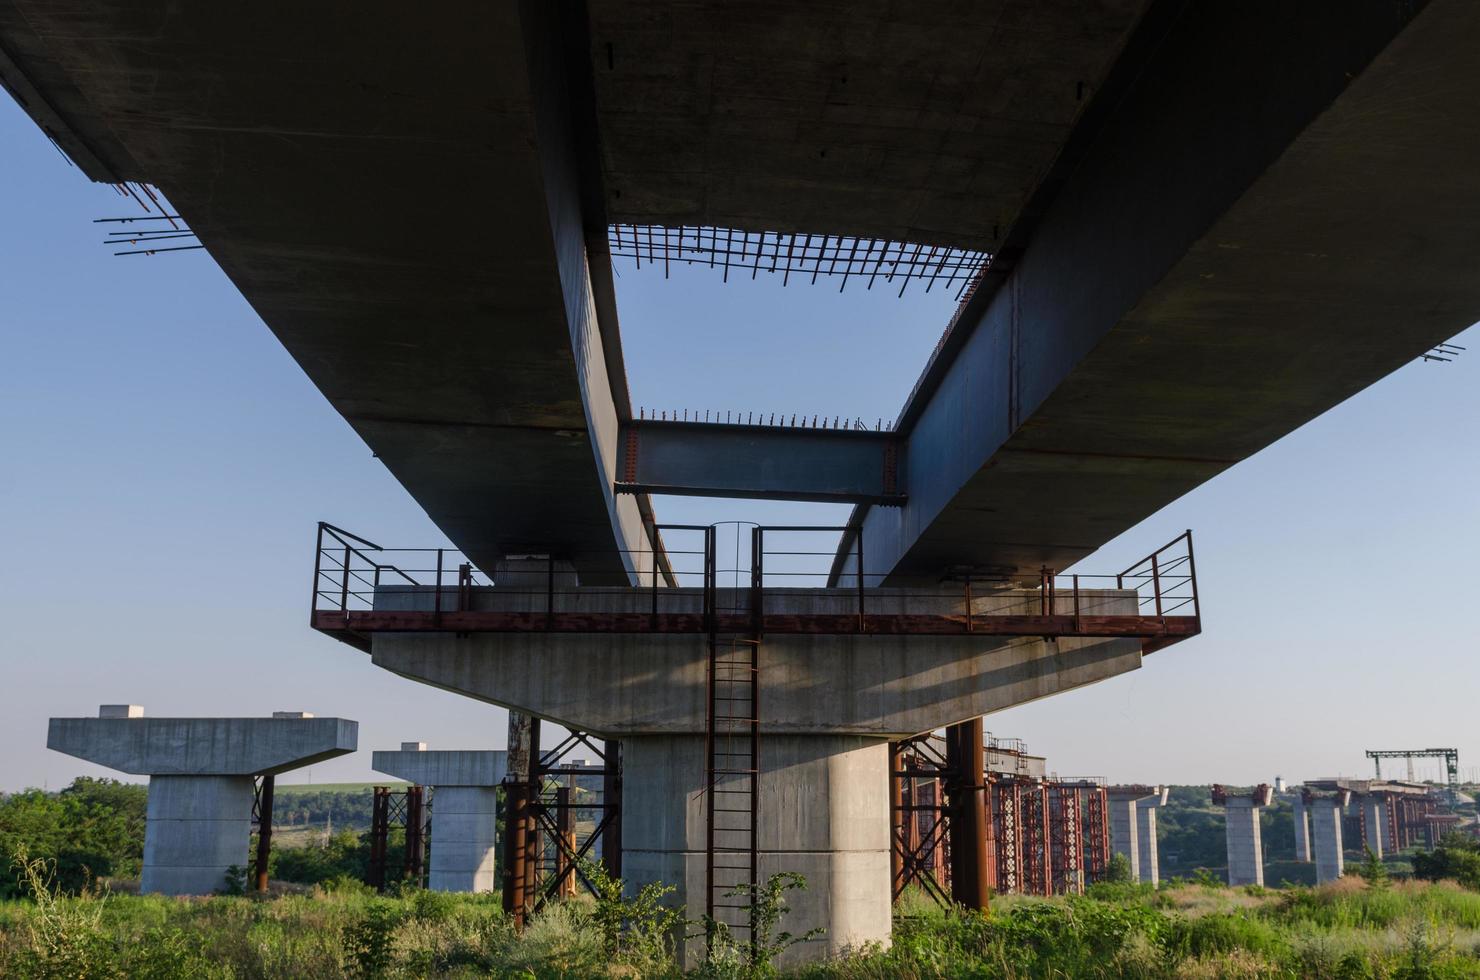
(201, 771)
(465, 801)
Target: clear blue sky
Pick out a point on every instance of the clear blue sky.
(163, 461)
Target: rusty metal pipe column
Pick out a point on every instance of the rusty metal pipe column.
(516, 825)
(966, 760)
(264, 832)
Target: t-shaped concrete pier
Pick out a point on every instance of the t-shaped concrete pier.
(198, 822)
(465, 810)
(1245, 847)
(1133, 827)
(831, 705)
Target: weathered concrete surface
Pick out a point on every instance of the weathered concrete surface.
(627, 684)
(924, 122)
(823, 812)
(1374, 823)
(203, 746)
(1302, 828)
(1124, 836)
(1325, 828)
(1226, 284)
(195, 829)
(444, 767)
(1149, 869)
(464, 839)
(1245, 848)
(1133, 827)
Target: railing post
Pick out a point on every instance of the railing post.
(438, 606)
(968, 603)
(1156, 582)
(653, 620)
(318, 554)
(757, 577)
(860, 579)
(549, 591)
(1078, 626)
(344, 584)
(1192, 577)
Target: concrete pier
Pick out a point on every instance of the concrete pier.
(1149, 870)
(1302, 828)
(1325, 826)
(1374, 822)
(1245, 845)
(1123, 831)
(1133, 825)
(465, 802)
(198, 821)
(823, 812)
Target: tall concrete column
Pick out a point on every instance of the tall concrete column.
(1245, 845)
(1374, 822)
(1131, 827)
(1149, 869)
(823, 813)
(1302, 829)
(1325, 827)
(465, 808)
(195, 829)
(1124, 837)
(201, 771)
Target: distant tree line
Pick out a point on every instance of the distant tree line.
(92, 829)
(304, 807)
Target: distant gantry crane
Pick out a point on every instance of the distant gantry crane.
(1450, 757)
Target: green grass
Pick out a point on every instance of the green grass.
(1344, 930)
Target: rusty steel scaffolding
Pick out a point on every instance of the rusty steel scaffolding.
(1066, 856)
(920, 823)
(564, 847)
(545, 845)
(410, 809)
(1040, 836)
(1095, 806)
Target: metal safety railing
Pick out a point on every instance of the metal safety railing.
(699, 574)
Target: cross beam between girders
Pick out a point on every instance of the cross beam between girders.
(721, 460)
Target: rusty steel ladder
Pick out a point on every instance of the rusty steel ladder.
(732, 759)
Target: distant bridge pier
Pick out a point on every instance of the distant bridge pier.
(1302, 828)
(465, 784)
(1325, 827)
(1133, 827)
(1245, 846)
(1149, 868)
(201, 771)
